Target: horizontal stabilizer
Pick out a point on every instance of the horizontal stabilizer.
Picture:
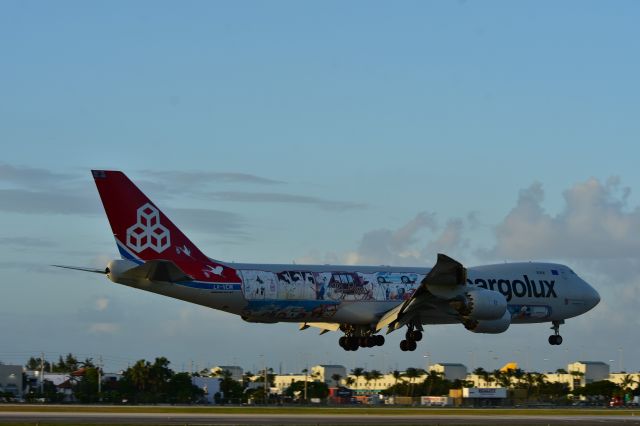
(158, 270)
(79, 268)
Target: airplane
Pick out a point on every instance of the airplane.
(359, 301)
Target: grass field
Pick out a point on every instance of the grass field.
(357, 411)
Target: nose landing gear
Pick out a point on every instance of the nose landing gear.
(556, 338)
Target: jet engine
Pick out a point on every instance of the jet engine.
(489, 326)
(481, 304)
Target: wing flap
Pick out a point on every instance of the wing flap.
(324, 326)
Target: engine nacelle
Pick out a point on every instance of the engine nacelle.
(489, 326)
(481, 304)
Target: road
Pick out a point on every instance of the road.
(307, 419)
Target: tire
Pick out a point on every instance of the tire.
(379, 340)
(353, 344)
(558, 340)
(403, 345)
(411, 345)
(342, 341)
(552, 340)
(416, 335)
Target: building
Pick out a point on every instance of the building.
(581, 373)
(283, 381)
(325, 373)
(589, 371)
(236, 372)
(11, 380)
(450, 371)
(623, 378)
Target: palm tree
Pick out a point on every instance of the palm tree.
(367, 378)
(375, 375)
(481, 372)
(397, 375)
(627, 381)
(349, 381)
(357, 373)
(411, 374)
(503, 379)
(140, 374)
(432, 376)
(517, 374)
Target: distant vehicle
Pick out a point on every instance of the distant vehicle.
(157, 257)
(616, 401)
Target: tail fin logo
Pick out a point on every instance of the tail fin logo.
(148, 232)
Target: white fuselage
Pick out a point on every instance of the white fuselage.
(360, 295)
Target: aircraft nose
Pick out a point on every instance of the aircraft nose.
(592, 297)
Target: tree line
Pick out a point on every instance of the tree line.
(155, 382)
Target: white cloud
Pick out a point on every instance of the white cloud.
(402, 246)
(594, 223)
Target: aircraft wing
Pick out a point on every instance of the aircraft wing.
(442, 283)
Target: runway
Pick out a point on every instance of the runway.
(307, 419)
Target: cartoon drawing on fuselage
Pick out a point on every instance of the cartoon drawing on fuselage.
(358, 301)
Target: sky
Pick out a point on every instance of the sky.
(318, 132)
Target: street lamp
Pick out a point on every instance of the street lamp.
(620, 350)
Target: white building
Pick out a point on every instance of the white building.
(325, 373)
(590, 371)
(11, 379)
(236, 372)
(283, 381)
(450, 371)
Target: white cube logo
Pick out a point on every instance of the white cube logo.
(148, 232)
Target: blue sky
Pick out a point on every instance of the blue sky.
(361, 116)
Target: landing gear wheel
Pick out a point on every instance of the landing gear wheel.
(353, 344)
(411, 345)
(416, 335)
(556, 339)
(342, 342)
(379, 340)
(403, 345)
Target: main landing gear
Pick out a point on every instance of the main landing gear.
(412, 336)
(352, 343)
(556, 338)
(356, 336)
